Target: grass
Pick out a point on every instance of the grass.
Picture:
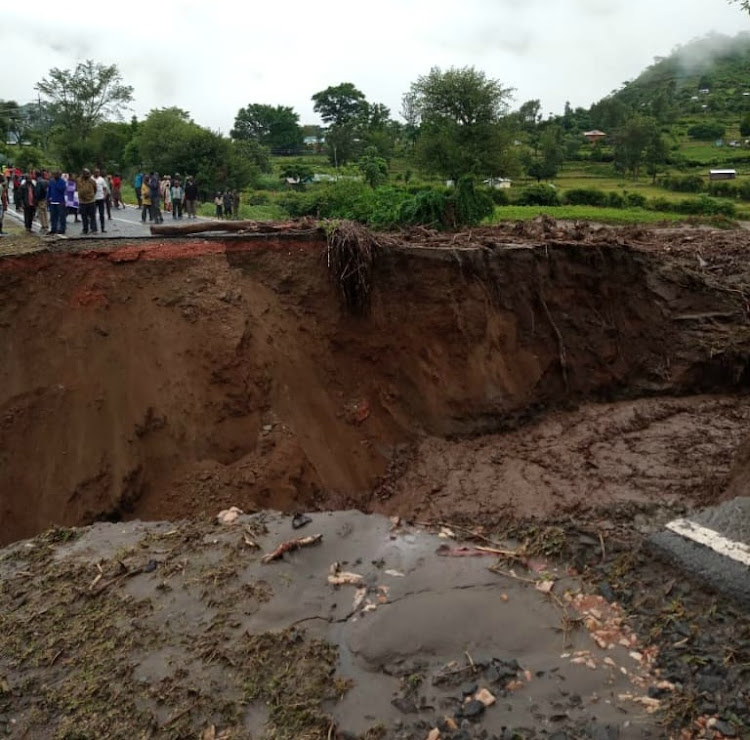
(616, 216)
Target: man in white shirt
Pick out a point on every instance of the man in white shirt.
(101, 195)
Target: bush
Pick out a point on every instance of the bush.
(660, 204)
(426, 207)
(705, 206)
(685, 184)
(538, 195)
(722, 189)
(499, 197)
(585, 197)
(635, 200)
(257, 199)
(744, 190)
(706, 131)
(615, 200)
(472, 206)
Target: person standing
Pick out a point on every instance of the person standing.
(117, 191)
(235, 204)
(40, 194)
(137, 186)
(191, 196)
(28, 200)
(217, 203)
(227, 203)
(178, 196)
(101, 196)
(87, 201)
(3, 201)
(144, 198)
(154, 185)
(71, 198)
(56, 197)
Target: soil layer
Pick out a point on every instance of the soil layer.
(164, 379)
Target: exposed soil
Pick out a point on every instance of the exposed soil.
(162, 380)
(558, 391)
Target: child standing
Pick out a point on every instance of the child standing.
(218, 203)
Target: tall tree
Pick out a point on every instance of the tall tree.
(168, 141)
(345, 109)
(81, 98)
(340, 105)
(638, 139)
(78, 100)
(462, 115)
(276, 127)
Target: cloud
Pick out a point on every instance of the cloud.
(212, 60)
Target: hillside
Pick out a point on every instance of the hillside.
(713, 71)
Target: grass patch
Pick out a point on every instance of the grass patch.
(617, 216)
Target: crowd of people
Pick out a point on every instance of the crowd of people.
(51, 197)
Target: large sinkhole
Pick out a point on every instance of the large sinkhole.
(493, 375)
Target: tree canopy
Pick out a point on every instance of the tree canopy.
(81, 98)
(461, 117)
(276, 127)
(340, 105)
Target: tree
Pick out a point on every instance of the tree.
(78, 100)
(345, 109)
(639, 134)
(462, 128)
(169, 141)
(340, 105)
(373, 167)
(277, 128)
(546, 164)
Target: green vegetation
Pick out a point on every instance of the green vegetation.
(663, 131)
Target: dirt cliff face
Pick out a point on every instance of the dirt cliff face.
(163, 380)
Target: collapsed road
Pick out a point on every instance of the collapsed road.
(570, 399)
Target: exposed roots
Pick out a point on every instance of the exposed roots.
(351, 254)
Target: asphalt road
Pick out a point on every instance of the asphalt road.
(125, 223)
(713, 545)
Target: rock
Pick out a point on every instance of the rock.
(229, 516)
(724, 728)
(485, 697)
(473, 709)
(434, 734)
(469, 688)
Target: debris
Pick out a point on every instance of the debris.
(434, 734)
(447, 534)
(345, 579)
(545, 586)
(229, 516)
(300, 520)
(395, 573)
(289, 546)
(486, 697)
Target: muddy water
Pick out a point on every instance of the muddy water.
(415, 616)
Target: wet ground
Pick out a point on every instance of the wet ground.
(398, 631)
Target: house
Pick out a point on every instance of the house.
(722, 174)
(498, 183)
(594, 136)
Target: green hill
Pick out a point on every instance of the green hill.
(707, 75)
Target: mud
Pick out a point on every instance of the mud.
(166, 379)
(404, 635)
(551, 393)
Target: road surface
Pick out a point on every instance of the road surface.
(125, 223)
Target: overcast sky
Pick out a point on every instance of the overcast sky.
(211, 57)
